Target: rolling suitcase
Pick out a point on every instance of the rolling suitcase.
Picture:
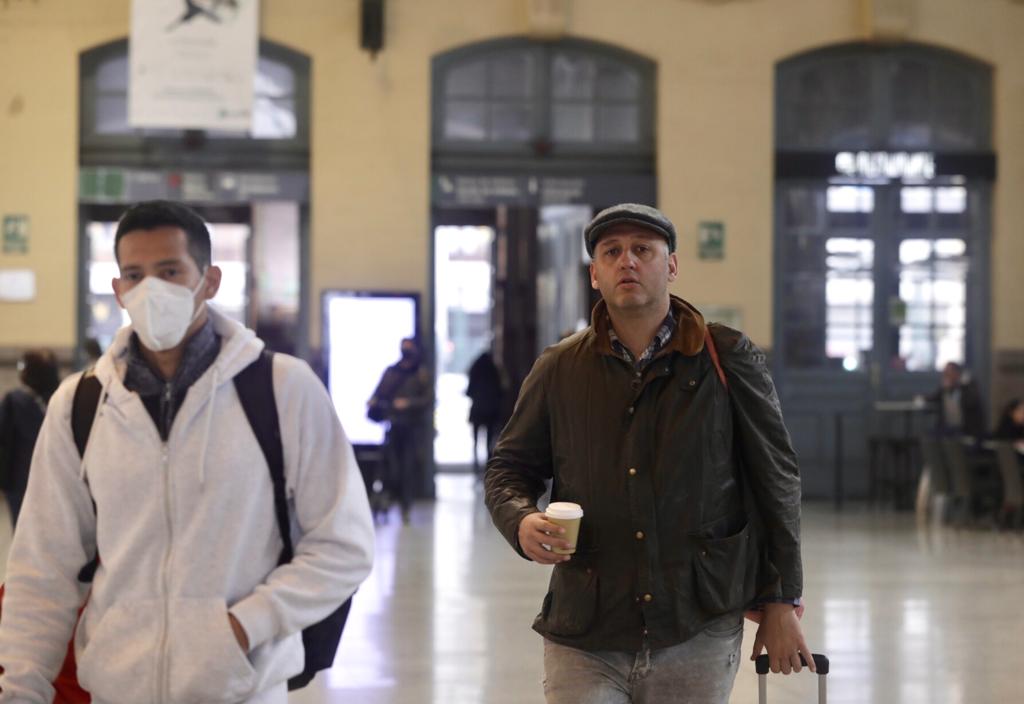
(820, 662)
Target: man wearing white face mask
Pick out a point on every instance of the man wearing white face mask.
(191, 601)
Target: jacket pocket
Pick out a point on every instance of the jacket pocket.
(571, 602)
(724, 572)
(118, 660)
(206, 663)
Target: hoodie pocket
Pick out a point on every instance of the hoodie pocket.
(118, 659)
(206, 663)
(124, 654)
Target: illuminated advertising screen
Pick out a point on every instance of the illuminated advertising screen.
(363, 332)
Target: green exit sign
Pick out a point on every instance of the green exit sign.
(711, 240)
(15, 234)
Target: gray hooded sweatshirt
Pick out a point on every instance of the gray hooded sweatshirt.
(186, 532)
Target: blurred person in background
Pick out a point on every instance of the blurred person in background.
(486, 391)
(93, 352)
(21, 415)
(1010, 425)
(402, 399)
(959, 406)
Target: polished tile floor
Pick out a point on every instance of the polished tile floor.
(908, 613)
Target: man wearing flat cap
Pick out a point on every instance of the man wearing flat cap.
(667, 432)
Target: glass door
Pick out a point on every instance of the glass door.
(883, 168)
(881, 286)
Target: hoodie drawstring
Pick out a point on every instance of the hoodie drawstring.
(206, 428)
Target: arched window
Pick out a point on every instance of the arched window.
(280, 130)
(515, 96)
(888, 98)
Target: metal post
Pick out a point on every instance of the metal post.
(839, 459)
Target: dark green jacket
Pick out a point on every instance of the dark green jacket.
(399, 382)
(665, 545)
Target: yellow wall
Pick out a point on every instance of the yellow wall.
(371, 131)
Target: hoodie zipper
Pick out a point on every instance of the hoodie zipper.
(166, 412)
(163, 673)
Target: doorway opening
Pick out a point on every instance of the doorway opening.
(463, 266)
(528, 139)
(257, 248)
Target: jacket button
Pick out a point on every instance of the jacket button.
(632, 471)
(639, 535)
(693, 382)
(630, 410)
(703, 553)
(648, 598)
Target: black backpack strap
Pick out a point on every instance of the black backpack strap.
(255, 387)
(83, 412)
(83, 408)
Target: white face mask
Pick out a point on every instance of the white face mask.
(161, 312)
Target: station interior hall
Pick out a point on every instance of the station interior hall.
(845, 180)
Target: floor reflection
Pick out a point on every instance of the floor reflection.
(908, 613)
(916, 614)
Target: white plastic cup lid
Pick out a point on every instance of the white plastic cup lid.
(564, 510)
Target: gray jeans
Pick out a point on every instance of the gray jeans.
(700, 671)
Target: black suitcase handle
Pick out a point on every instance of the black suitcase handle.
(820, 662)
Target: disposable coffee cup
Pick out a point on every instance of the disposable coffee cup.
(568, 515)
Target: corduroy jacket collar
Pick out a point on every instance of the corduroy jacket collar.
(688, 338)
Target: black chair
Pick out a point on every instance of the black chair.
(893, 469)
(1011, 510)
(975, 480)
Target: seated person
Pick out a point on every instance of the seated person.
(960, 410)
(1010, 425)
(953, 469)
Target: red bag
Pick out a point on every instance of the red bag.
(66, 685)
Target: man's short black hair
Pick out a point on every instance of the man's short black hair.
(151, 214)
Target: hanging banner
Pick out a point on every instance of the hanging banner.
(193, 63)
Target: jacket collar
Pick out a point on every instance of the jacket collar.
(688, 338)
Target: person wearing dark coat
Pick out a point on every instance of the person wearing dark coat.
(958, 401)
(486, 392)
(1010, 425)
(21, 416)
(402, 398)
(668, 433)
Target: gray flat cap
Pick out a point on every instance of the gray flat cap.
(629, 214)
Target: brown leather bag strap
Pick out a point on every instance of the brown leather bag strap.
(710, 344)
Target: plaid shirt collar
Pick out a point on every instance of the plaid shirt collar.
(661, 338)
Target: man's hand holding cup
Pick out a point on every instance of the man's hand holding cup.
(550, 538)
